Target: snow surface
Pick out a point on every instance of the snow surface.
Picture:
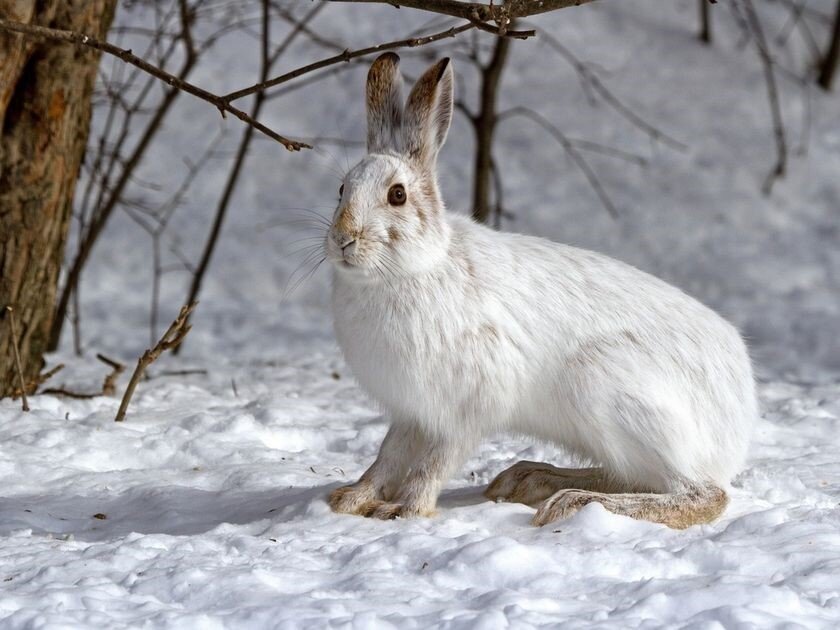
(216, 517)
(206, 508)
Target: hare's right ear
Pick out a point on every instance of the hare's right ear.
(384, 104)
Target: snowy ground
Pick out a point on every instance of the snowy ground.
(206, 508)
(214, 515)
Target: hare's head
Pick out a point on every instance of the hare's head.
(389, 220)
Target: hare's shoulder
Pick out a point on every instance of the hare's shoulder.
(520, 258)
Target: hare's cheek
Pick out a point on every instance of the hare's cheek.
(395, 235)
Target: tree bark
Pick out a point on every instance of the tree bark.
(45, 109)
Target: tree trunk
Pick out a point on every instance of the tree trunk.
(828, 67)
(485, 126)
(45, 108)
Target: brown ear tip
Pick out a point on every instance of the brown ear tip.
(443, 64)
(388, 57)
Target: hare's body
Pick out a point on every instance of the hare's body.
(460, 332)
(513, 333)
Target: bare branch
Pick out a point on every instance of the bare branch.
(500, 13)
(171, 339)
(767, 63)
(570, 149)
(267, 59)
(612, 100)
(109, 385)
(345, 56)
(828, 67)
(222, 103)
(21, 383)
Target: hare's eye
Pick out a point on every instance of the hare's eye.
(396, 195)
(341, 191)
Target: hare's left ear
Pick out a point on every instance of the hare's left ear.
(428, 113)
(384, 104)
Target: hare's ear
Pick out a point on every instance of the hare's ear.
(384, 104)
(428, 113)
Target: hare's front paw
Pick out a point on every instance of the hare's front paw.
(389, 511)
(358, 498)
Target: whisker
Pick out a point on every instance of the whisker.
(301, 280)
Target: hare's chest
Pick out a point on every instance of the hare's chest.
(403, 353)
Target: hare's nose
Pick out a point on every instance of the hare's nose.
(348, 247)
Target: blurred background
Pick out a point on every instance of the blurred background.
(708, 155)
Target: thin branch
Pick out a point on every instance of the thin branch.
(222, 103)
(346, 56)
(33, 385)
(22, 384)
(570, 149)
(499, 13)
(173, 336)
(611, 99)
(705, 22)
(267, 59)
(828, 67)
(109, 385)
(779, 168)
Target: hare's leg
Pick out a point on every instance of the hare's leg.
(533, 482)
(692, 506)
(435, 462)
(383, 479)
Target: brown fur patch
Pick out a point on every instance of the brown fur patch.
(488, 331)
(394, 235)
(346, 224)
(677, 510)
(532, 483)
(352, 499)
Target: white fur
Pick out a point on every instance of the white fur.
(460, 332)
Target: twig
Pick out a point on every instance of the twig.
(267, 59)
(173, 336)
(705, 23)
(828, 67)
(779, 168)
(109, 385)
(13, 328)
(32, 386)
(221, 102)
(571, 150)
(165, 373)
(611, 99)
(345, 56)
(498, 12)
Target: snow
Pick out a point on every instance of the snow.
(216, 517)
(206, 507)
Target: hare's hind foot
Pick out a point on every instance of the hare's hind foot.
(696, 505)
(532, 483)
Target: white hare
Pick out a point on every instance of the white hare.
(460, 332)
